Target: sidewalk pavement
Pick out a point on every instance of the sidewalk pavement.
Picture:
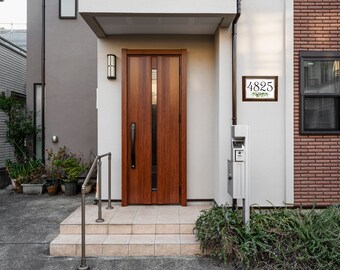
(28, 223)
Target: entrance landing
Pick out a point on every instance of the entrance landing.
(131, 231)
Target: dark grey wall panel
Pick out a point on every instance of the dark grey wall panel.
(71, 77)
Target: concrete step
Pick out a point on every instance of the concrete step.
(131, 231)
(135, 229)
(135, 220)
(126, 245)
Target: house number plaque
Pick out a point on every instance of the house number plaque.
(259, 88)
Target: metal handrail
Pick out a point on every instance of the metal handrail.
(97, 162)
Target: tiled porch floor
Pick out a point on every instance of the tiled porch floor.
(131, 231)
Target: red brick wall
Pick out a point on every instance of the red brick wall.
(317, 158)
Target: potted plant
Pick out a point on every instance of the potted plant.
(73, 168)
(54, 170)
(52, 189)
(28, 175)
(20, 130)
(32, 177)
(13, 169)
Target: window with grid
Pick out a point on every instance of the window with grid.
(320, 92)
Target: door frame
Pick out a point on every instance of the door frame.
(182, 53)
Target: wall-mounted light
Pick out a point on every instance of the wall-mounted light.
(55, 139)
(111, 66)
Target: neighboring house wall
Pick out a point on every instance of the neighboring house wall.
(71, 77)
(317, 160)
(16, 36)
(33, 48)
(12, 80)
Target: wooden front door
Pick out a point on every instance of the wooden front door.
(154, 132)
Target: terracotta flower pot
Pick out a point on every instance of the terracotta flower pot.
(52, 190)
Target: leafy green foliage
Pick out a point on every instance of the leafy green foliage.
(276, 239)
(31, 171)
(20, 126)
(54, 169)
(13, 168)
(219, 230)
(73, 167)
(65, 165)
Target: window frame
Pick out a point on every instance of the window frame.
(19, 96)
(42, 154)
(62, 17)
(315, 55)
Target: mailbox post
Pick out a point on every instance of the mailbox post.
(238, 168)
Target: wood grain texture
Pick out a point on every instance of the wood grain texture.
(171, 125)
(124, 128)
(154, 52)
(139, 112)
(168, 130)
(183, 129)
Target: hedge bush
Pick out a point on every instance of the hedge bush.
(275, 239)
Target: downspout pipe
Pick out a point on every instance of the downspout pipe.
(234, 63)
(234, 74)
(43, 77)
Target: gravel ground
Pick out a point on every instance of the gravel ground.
(28, 223)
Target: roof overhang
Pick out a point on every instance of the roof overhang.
(120, 17)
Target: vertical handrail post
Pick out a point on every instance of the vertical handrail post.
(100, 218)
(97, 162)
(83, 265)
(109, 206)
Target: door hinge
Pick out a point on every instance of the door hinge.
(180, 70)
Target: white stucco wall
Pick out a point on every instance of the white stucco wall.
(223, 106)
(201, 96)
(158, 6)
(265, 49)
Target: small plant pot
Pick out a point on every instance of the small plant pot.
(88, 188)
(14, 184)
(32, 189)
(4, 178)
(52, 190)
(71, 188)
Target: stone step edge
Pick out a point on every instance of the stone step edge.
(103, 229)
(72, 247)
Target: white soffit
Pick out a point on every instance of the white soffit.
(117, 17)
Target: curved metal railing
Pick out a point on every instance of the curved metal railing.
(97, 162)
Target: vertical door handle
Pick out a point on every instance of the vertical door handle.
(133, 139)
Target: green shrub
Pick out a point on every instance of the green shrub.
(31, 171)
(73, 167)
(20, 127)
(276, 239)
(54, 163)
